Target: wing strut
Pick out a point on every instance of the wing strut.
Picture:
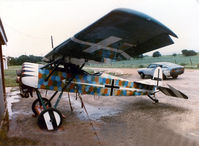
(49, 64)
(66, 86)
(54, 69)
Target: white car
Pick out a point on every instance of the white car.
(168, 69)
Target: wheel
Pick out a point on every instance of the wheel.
(164, 77)
(142, 75)
(156, 100)
(175, 76)
(36, 103)
(26, 95)
(50, 119)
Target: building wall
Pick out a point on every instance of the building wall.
(2, 105)
(3, 41)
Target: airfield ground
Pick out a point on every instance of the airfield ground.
(118, 121)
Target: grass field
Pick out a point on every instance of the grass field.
(10, 76)
(188, 62)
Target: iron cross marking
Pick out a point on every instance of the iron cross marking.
(112, 87)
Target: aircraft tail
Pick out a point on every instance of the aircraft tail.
(169, 91)
(157, 83)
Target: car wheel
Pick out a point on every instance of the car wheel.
(142, 75)
(164, 77)
(175, 77)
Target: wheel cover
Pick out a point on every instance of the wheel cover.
(50, 119)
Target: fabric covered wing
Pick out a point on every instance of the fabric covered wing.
(119, 35)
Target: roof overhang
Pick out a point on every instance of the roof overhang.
(3, 38)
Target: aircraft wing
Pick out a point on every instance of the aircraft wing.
(119, 35)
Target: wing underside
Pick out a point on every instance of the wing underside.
(119, 35)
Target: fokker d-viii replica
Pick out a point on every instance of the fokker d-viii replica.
(119, 35)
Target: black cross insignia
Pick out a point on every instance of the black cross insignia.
(112, 87)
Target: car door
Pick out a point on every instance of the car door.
(150, 69)
(165, 70)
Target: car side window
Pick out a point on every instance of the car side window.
(152, 66)
(164, 66)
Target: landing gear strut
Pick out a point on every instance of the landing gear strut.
(37, 107)
(48, 118)
(51, 118)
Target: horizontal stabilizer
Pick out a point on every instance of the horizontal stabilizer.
(172, 92)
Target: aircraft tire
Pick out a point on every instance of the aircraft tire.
(50, 119)
(175, 76)
(36, 102)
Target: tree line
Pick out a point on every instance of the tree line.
(24, 58)
(36, 59)
(185, 52)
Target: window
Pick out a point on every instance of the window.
(164, 66)
(152, 66)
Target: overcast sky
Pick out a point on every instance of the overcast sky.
(30, 23)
